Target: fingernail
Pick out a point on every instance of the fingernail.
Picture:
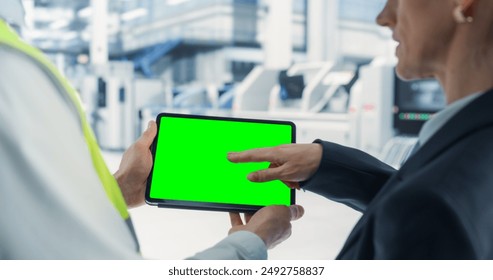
(294, 211)
(149, 124)
(252, 177)
(231, 155)
(297, 211)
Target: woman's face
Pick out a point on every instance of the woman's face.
(424, 30)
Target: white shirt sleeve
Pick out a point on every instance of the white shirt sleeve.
(241, 245)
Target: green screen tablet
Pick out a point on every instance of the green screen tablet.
(191, 169)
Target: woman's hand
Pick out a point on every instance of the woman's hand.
(291, 163)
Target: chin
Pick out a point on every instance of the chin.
(408, 72)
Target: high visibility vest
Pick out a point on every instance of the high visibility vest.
(10, 38)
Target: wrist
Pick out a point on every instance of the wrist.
(316, 155)
(132, 193)
(119, 177)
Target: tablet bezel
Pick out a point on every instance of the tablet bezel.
(182, 204)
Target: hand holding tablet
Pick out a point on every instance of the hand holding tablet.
(191, 169)
(272, 224)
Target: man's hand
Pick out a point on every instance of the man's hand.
(272, 224)
(135, 167)
(291, 163)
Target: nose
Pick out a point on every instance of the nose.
(387, 15)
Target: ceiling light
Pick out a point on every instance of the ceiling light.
(175, 2)
(59, 24)
(134, 14)
(85, 13)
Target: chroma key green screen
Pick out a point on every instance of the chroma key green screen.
(191, 161)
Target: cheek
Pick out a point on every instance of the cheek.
(420, 56)
(419, 45)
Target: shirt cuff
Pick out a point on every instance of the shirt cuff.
(305, 185)
(241, 245)
(249, 243)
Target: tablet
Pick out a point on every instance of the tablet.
(191, 169)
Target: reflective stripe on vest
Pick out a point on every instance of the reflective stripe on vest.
(9, 37)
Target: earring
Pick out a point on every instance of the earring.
(460, 17)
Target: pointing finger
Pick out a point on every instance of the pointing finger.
(255, 155)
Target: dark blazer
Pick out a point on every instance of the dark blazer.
(439, 205)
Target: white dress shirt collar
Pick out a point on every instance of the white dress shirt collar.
(438, 120)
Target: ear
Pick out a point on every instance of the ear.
(464, 11)
(467, 7)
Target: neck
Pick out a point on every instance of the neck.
(467, 72)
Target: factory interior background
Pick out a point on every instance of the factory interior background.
(323, 64)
